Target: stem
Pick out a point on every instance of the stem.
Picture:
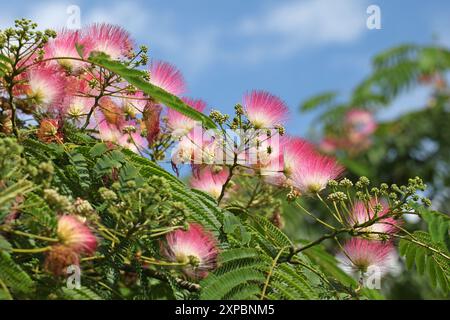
(294, 251)
(230, 175)
(33, 236)
(163, 263)
(269, 275)
(314, 217)
(35, 250)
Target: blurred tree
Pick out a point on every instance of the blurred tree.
(415, 143)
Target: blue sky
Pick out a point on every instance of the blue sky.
(293, 48)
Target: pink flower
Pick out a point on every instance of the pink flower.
(264, 110)
(363, 212)
(196, 247)
(78, 107)
(367, 257)
(167, 77)
(134, 103)
(180, 124)
(314, 172)
(265, 154)
(110, 39)
(197, 147)
(131, 138)
(210, 180)
(45, 87)
(128, 135)
(64, 45)
(360, 124)
(75, 234)
(295, 150)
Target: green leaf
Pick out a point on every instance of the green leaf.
(226, 282)
(13, 276)
(4, 244)
(98, 149)
(317, 101)
(135, 77)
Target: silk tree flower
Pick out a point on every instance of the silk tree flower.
(78, 107)
(264, 110)
(210, 180)
(197, 147)
(75, 234)
(178, 123)
(314, 172)
(49, 131)
(64, 45)
(367, 257)
(167, 77)
(267, 157)
(287, 159)
(131, 137)
(134, 103)
(360, 124)
(128, 135)
(294, 150)
(110, 39)
(45, 88)
(363, 212)
(196, 247)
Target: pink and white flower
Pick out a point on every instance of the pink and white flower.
(167, 77)
(210, 180)
(196, 247)
(45, 87)
(314, 172)
(64, 45)
(363, 212)
(178, 123)
(295, 150)
(110, 39)
(197, 147)
(75, 234)
(264, 110)
(128, 135)
(366, 257)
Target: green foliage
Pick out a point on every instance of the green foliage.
(429, 257)
(13, 277)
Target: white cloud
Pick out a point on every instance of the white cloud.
(296, 25)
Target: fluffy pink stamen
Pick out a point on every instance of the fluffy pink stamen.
(180, 124)
(76, 235)
(195, 242)
(366, 256)
(110, 39)
(363, 212)
(264, 110)
(167, 77)
(210, 181)
(314, 172)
